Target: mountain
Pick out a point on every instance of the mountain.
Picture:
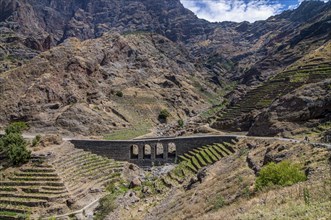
(251, 48)
(294, 101)
(39, 25)
(199, 58)
(96, 86)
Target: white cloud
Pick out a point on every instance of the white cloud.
(233, 10)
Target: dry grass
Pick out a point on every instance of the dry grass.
(284, 203)
(228, 190)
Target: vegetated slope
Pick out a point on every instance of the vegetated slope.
(225, 190)
(294, 100)
(78, 86)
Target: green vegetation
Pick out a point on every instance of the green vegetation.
(243, 151)
(306, 196)
(7, 213)
(246, 192)
(299, 77)
(14, 145)
(212, 111)
(16, 127)
(107, 205)
(127, 134)
(36, 140)
(119, 93)
(217, 202)
(164, 114)
(203, 156)
(181, 123)
(282, 174)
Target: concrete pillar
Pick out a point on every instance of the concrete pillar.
(165, 151)
(153, 151)
(141, 151)
(176, 155)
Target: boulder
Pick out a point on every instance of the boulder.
(135, 183)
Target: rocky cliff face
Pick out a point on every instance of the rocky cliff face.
(38, 25)
(251, 52)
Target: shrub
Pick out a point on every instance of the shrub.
(218, 203)
(119, 93)
(306, 196)
(282, 174)
(16, 127)
(164, 114)
(36, 140)
(181, 123)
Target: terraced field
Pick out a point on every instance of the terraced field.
(282, 84)
(195, 160)
(83, 171)
(35, 186)
(54, 184)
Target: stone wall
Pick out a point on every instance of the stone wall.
(123, 150)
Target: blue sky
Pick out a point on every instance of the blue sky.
(238, 10)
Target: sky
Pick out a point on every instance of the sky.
(239, 10)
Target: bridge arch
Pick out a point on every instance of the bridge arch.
(159, 150)
(172, 150)
(147, 150)
(134, 151)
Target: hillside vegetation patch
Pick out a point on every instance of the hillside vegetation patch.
(163, 115)
(13, 145)
(282, 174)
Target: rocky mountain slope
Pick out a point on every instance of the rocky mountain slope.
(293, 102)
(254, 50)
(218, 54)
(39, 25)
(96, 86)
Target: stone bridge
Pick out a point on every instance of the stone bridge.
(146, 152)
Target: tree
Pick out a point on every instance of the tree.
(13, 144)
